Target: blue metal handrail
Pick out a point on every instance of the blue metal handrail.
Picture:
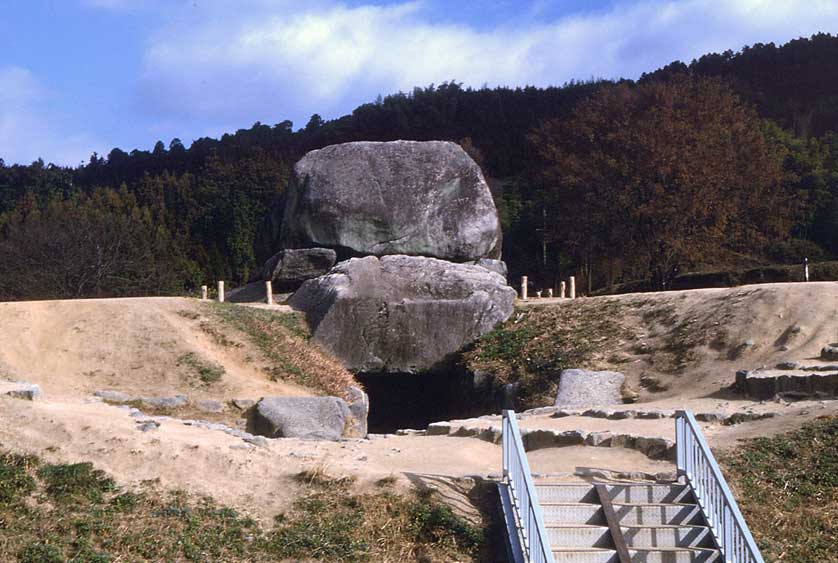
(695, 461)
(517, 475)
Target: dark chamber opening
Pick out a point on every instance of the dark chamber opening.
(406, 400)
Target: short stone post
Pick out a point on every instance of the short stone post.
(806, 269)
(550, 292)
(204, 292)
(221, 292)
(269, 292)
(524, 281)
(573, 287)
(562, 290)
(538, 294)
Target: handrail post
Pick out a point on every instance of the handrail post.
(698, 466)
(517, 474)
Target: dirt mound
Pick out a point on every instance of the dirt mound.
(154, 347)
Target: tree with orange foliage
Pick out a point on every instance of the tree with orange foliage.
(663, 175)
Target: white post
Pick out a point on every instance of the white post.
(269, 292)
(550, 292)
(524, 287)
(573, 287)
(806, 269)
(204, 292)
(221, 292)
(562, 290)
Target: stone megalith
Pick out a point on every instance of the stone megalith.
(401, 313)
(402, 197)
(579, 387)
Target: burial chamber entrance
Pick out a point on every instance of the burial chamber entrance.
(411, 400)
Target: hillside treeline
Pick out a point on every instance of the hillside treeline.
(729, 161)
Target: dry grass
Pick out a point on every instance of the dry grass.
(283, 340)
(536, 343)
(72, 512)
(787, 487)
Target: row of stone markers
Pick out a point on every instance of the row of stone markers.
(269, 292)
(566, 290)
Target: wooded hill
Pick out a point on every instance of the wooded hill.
(728, 161)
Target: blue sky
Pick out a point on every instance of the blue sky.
(78, 76)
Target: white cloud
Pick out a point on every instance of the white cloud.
(271, 58)
(29, 130)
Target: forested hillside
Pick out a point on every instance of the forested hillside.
(727, 161)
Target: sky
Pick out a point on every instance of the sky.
(84, 76)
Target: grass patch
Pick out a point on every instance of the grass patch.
(207, 372)
(283, 340)
(75, 513)
(536, 343)
(75, 482)
(330, 523)
(787, 488)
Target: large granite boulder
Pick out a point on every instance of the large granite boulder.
(401, 197)
(323, 418)
(401, 313)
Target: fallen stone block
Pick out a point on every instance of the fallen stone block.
(584, 387)
(322, 418)
(21, 390)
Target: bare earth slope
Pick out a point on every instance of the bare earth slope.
(690, 342)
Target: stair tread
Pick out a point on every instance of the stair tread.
(616, 504)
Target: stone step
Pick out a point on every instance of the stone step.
(628, 514)
(623, 494)
(662, 555)
(575, 536)
(769, 383)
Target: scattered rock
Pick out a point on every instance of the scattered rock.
(789, 365)
(830, 352)
(165, 402)
(583, 387)
(147, 425)
(710, 417)
(21, 390)
(210, 405)
(243, 404)
(359, 407)
(401, 197)
(260, 441)
(301, 417)
(738, 417)
(655, 414)
(112, 396)
(401, 313)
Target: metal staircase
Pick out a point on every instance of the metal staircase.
(693, 520)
